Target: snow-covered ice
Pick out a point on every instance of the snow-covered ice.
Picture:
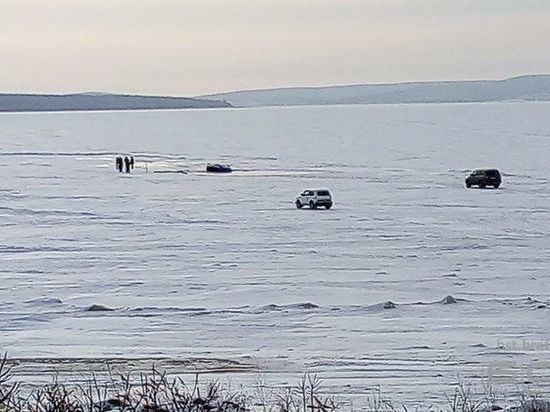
(225, 267)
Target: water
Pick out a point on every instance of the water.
(225, 267)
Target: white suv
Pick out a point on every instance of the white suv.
(314, 198)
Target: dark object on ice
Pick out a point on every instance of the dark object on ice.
(491, 408)
(171, 171)
(306, 306)
(110, 404)
(218, 168)
(483, 178)
(99, 308)
(314, 199)
(127, 164)
(118, 163)
(448, 300)
(132, 162)
(389, 305)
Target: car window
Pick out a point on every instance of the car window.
(492, 173)
(322, 193)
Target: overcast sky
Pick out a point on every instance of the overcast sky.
(190, 47)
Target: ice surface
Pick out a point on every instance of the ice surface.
(226, 267)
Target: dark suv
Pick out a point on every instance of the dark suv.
(483, 178)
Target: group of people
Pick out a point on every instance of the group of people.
(125, 164)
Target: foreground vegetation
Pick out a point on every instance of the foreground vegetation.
(156, 392)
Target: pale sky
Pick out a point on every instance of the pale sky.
(191, 47)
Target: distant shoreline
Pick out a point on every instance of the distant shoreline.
(15, 103)
(273, 106)
(522, 88)
(111, 110)
(532, 88)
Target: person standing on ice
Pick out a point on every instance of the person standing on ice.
(132, 162)
(118, 163)
(127, 164)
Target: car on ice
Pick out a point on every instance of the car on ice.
(218, 168)
(314, 199)
(483, 178)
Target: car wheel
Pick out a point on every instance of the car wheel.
(496, 185)
(299, 204)
(468, 185)
(312, 205)
(328, 206)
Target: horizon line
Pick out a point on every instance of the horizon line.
(233, 91)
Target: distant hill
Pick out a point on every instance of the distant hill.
(528, 88)
(100, 101)
(535, 87)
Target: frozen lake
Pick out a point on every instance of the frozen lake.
(225, 267)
